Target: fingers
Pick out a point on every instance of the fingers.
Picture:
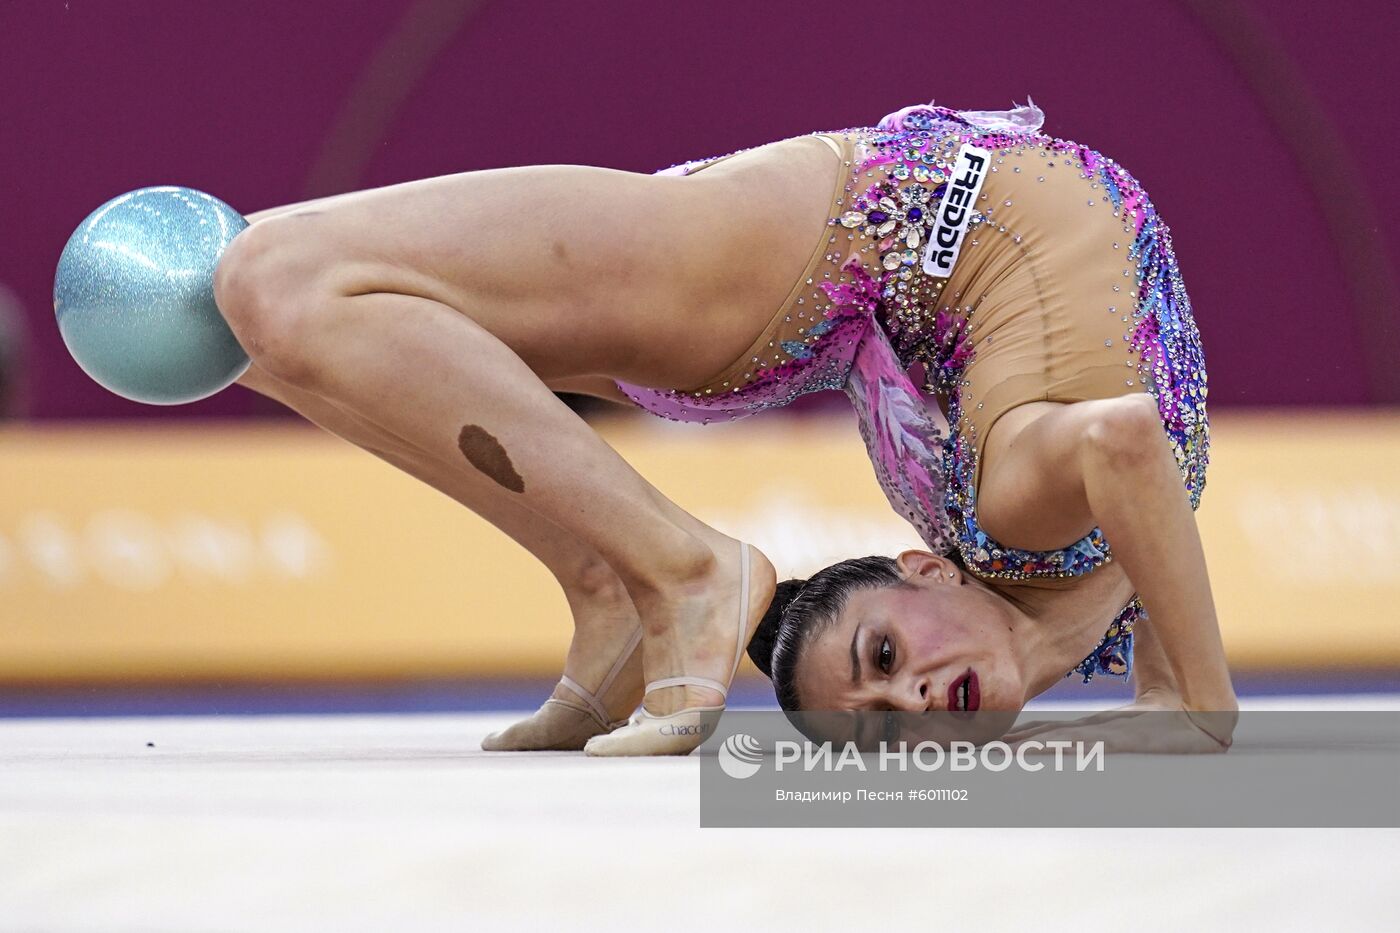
(1141, 734)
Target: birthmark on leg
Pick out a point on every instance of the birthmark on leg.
(485, 453)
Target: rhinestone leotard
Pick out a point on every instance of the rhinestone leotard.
(1066, 289)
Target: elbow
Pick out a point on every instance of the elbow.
(1125, 434)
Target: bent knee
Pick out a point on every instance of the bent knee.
(272, 288)
(1125, 431)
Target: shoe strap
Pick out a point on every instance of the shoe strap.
(743, 606)
(688, 682)
(585, 711)
(595, 709)
(594, 701)
(620, 663)
(642, 715)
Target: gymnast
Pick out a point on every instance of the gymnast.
(1002, 308)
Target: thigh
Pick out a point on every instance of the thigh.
(314, 204)
(579, 270)
(595, 386)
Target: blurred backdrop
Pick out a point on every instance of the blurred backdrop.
(225, 542)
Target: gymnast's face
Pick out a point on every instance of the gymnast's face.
(938, 641)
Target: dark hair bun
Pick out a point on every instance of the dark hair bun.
(761, 645)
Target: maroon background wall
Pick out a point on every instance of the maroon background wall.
(1264, 129)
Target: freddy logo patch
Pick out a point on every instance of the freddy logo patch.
(955, 211)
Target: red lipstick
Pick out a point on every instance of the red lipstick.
(963, 693)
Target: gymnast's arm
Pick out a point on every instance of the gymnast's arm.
(1154, 685)
(1108, 462)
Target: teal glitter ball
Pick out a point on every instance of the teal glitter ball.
(134, 296)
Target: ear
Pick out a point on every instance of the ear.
(925, 567)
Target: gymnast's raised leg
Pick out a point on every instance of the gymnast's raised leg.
(433, 310)
(602, 680)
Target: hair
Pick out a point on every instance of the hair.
(801, 609)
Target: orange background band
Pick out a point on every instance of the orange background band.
(279, 552)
